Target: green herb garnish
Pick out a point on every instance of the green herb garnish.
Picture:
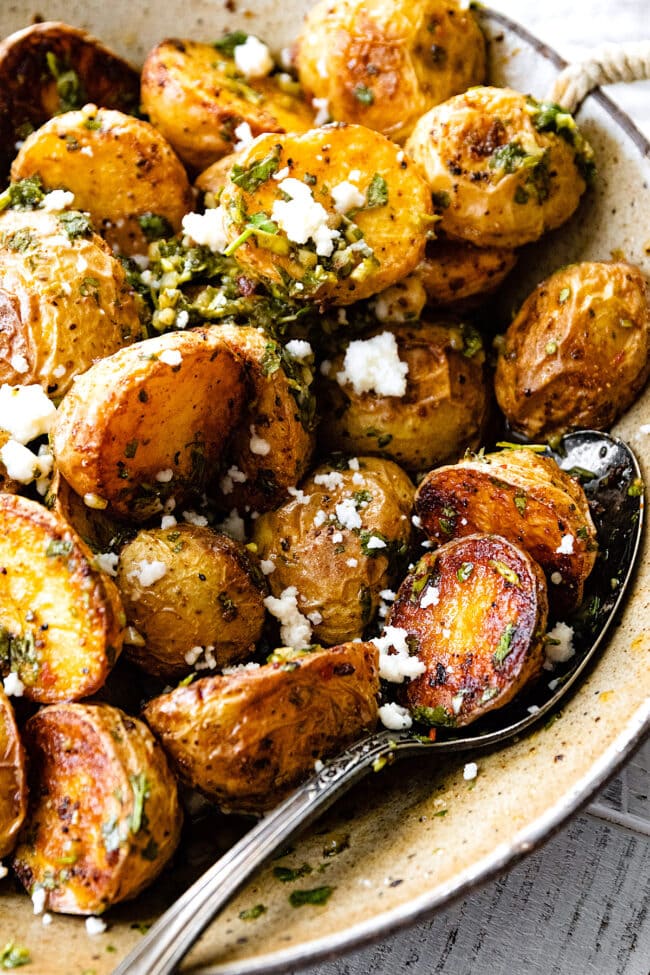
(363, 94)
(140, 787)
(504, 570)
(14, 956)
(288, 874)
(318, 895)
(76, 224)
(228, 43)
(258, 172)
(464, 572)
(154, 226)
(505, 644)
(377, 192)
(252, 913)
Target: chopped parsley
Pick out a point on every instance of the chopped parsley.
(252, 913)
(76, 224)
(26, 194)
(464, 571)
(57, 547)
(13, 956)
(434, 717)
(505, 644)
(318, 895)
(257, 173)
(227, 44)
(287, 875)
(140, 787)
(377, 192)
(154, 226)
(504, 570)
(68, 84)
(363, 94)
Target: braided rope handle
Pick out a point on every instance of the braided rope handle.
(604, 66)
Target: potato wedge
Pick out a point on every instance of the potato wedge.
(61, 620)
(317, 233)
(339, 542)
(149, 422)
(64, 299)
(104, 816)
(205, 611)
(246, 739)
(526, 498)
(442, 412)
(120, 169)
(476, 610)
(194, 94)
(454, 272)
(383, 64)
(578, 352)
(51, 67)
(13, 778)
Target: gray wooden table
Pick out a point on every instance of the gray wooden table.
(580, 905)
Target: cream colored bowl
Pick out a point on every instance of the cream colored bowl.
(417, 835)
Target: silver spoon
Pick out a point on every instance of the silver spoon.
(612, 481)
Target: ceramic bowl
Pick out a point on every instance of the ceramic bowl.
(417, 835)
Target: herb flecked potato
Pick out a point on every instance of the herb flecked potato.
(578, 352)
(339, 542)
(13, 777)
(104, 816)
(348, 217)
(526, 498)
(476, 609)
(383, 63)
(442, 412)
(195, 96)
(149, 422)
(64, 299)
(246, 738)
(503, 168)
(61, 620)
(204, 609)
(120, 169)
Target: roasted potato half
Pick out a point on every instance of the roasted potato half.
(120, 169)
(64, 299)
(476, 611)
(503, 168)
(578, 352)
(149, 422)
(442, 412)
(524, 497)
(203, 606)
(61, 620)
(50, 68)
(195, 95)
(454, 272)
(13, 778)
(348, 217)
(340, 541)
(104, 816)
(247, 738)
(212, 180)
(97, 529)
(383, 64)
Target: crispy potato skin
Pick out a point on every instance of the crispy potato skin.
(247, 738)
(578, 352)
(106, 437)
(524, 497)
(482, 640)
(383, 64)
(61, 620)
(13, 778)
(211, 595)
(442, 412)
(454, 271)
(118, 167)
(314, 557)
(454, 145)
(52, 290)
(395, 231)
(104, 816)
(28, 90)
(196, 98)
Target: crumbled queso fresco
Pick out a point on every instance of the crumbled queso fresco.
(399, 664)
(559, 645)
(253, 58)
(374, 365)
(302, 218)
(25, 414)
(566, 545)
(395, 717)
(295, 629)
(146, 572)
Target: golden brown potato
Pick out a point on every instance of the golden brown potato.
(578, 352)
(50, 68)
(339, 542)
(97, 529)
(104, 816)
(442, 412)
(203, 607)
(194, 94)
(348, 218)
(61, 620)
(247, 738)
(475, 611)
(149, 422)
(455, 271)
(524, 497)
(211, 181)
(503, 168)
(277, 422)
(13, 778)
(120, 169)
(64, 299)
(384, 63)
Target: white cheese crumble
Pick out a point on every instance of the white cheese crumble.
(319, 518)
(395, 717)
(322, 109)
(347, 197)
(281, 174)
(388, 594)
(233, 525)
(559, 645)
(352, 563)
(347, 514)
(258, 445)
(57, 200)
(147, 572)
(207, 229)
(171, 357)
(95, 502)
(267, 566)
(107, 562)
(39, 896)
(566, 545)
(470, 771)
(21, 464)
(325, 367)
(295, 629)
(95, 925)
(25, 412)
(165, 476)
(240, 668)
(394, 667)
(353, 464)
(201, 658)
(47, 919)
(232, 476)
(299, 350)
(167, 521)
(253, 58)
(3, 871)
(13, 686)
(336, 538)
(374, 365)
(19, 363)
(332, 480)
(244, 136)
(315, 618)
(299, 495)
(430, 597)
(192, 518)
(302, 218)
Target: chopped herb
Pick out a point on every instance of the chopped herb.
(504, 570)
(441, 813)
(635, 489)
(440, 199)
(509, 158)
(521, 196)
(154, 226)
(266, 233)
(370, 551)
(20, 240)
(68, 84)
(229, 611)
(75, 224)
(140, 787)
(362, 498)
(14, 956)
(228, 43)
(488, 694)
(363, 94)
(141, 926)
(257, 173)
(581, 473)
(564, 295)
(377, 192)
(287, 874)
(505, 644)
(464, 572)
(252, 913)
(434, 717)
(26, 194)
(92, 123)
(131, 449)
(550, 117)
(520, 503)
(537, 448)
(57, 547)
(318, 895)
(309, 179)
(472, 341)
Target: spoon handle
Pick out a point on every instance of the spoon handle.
(172, 936)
